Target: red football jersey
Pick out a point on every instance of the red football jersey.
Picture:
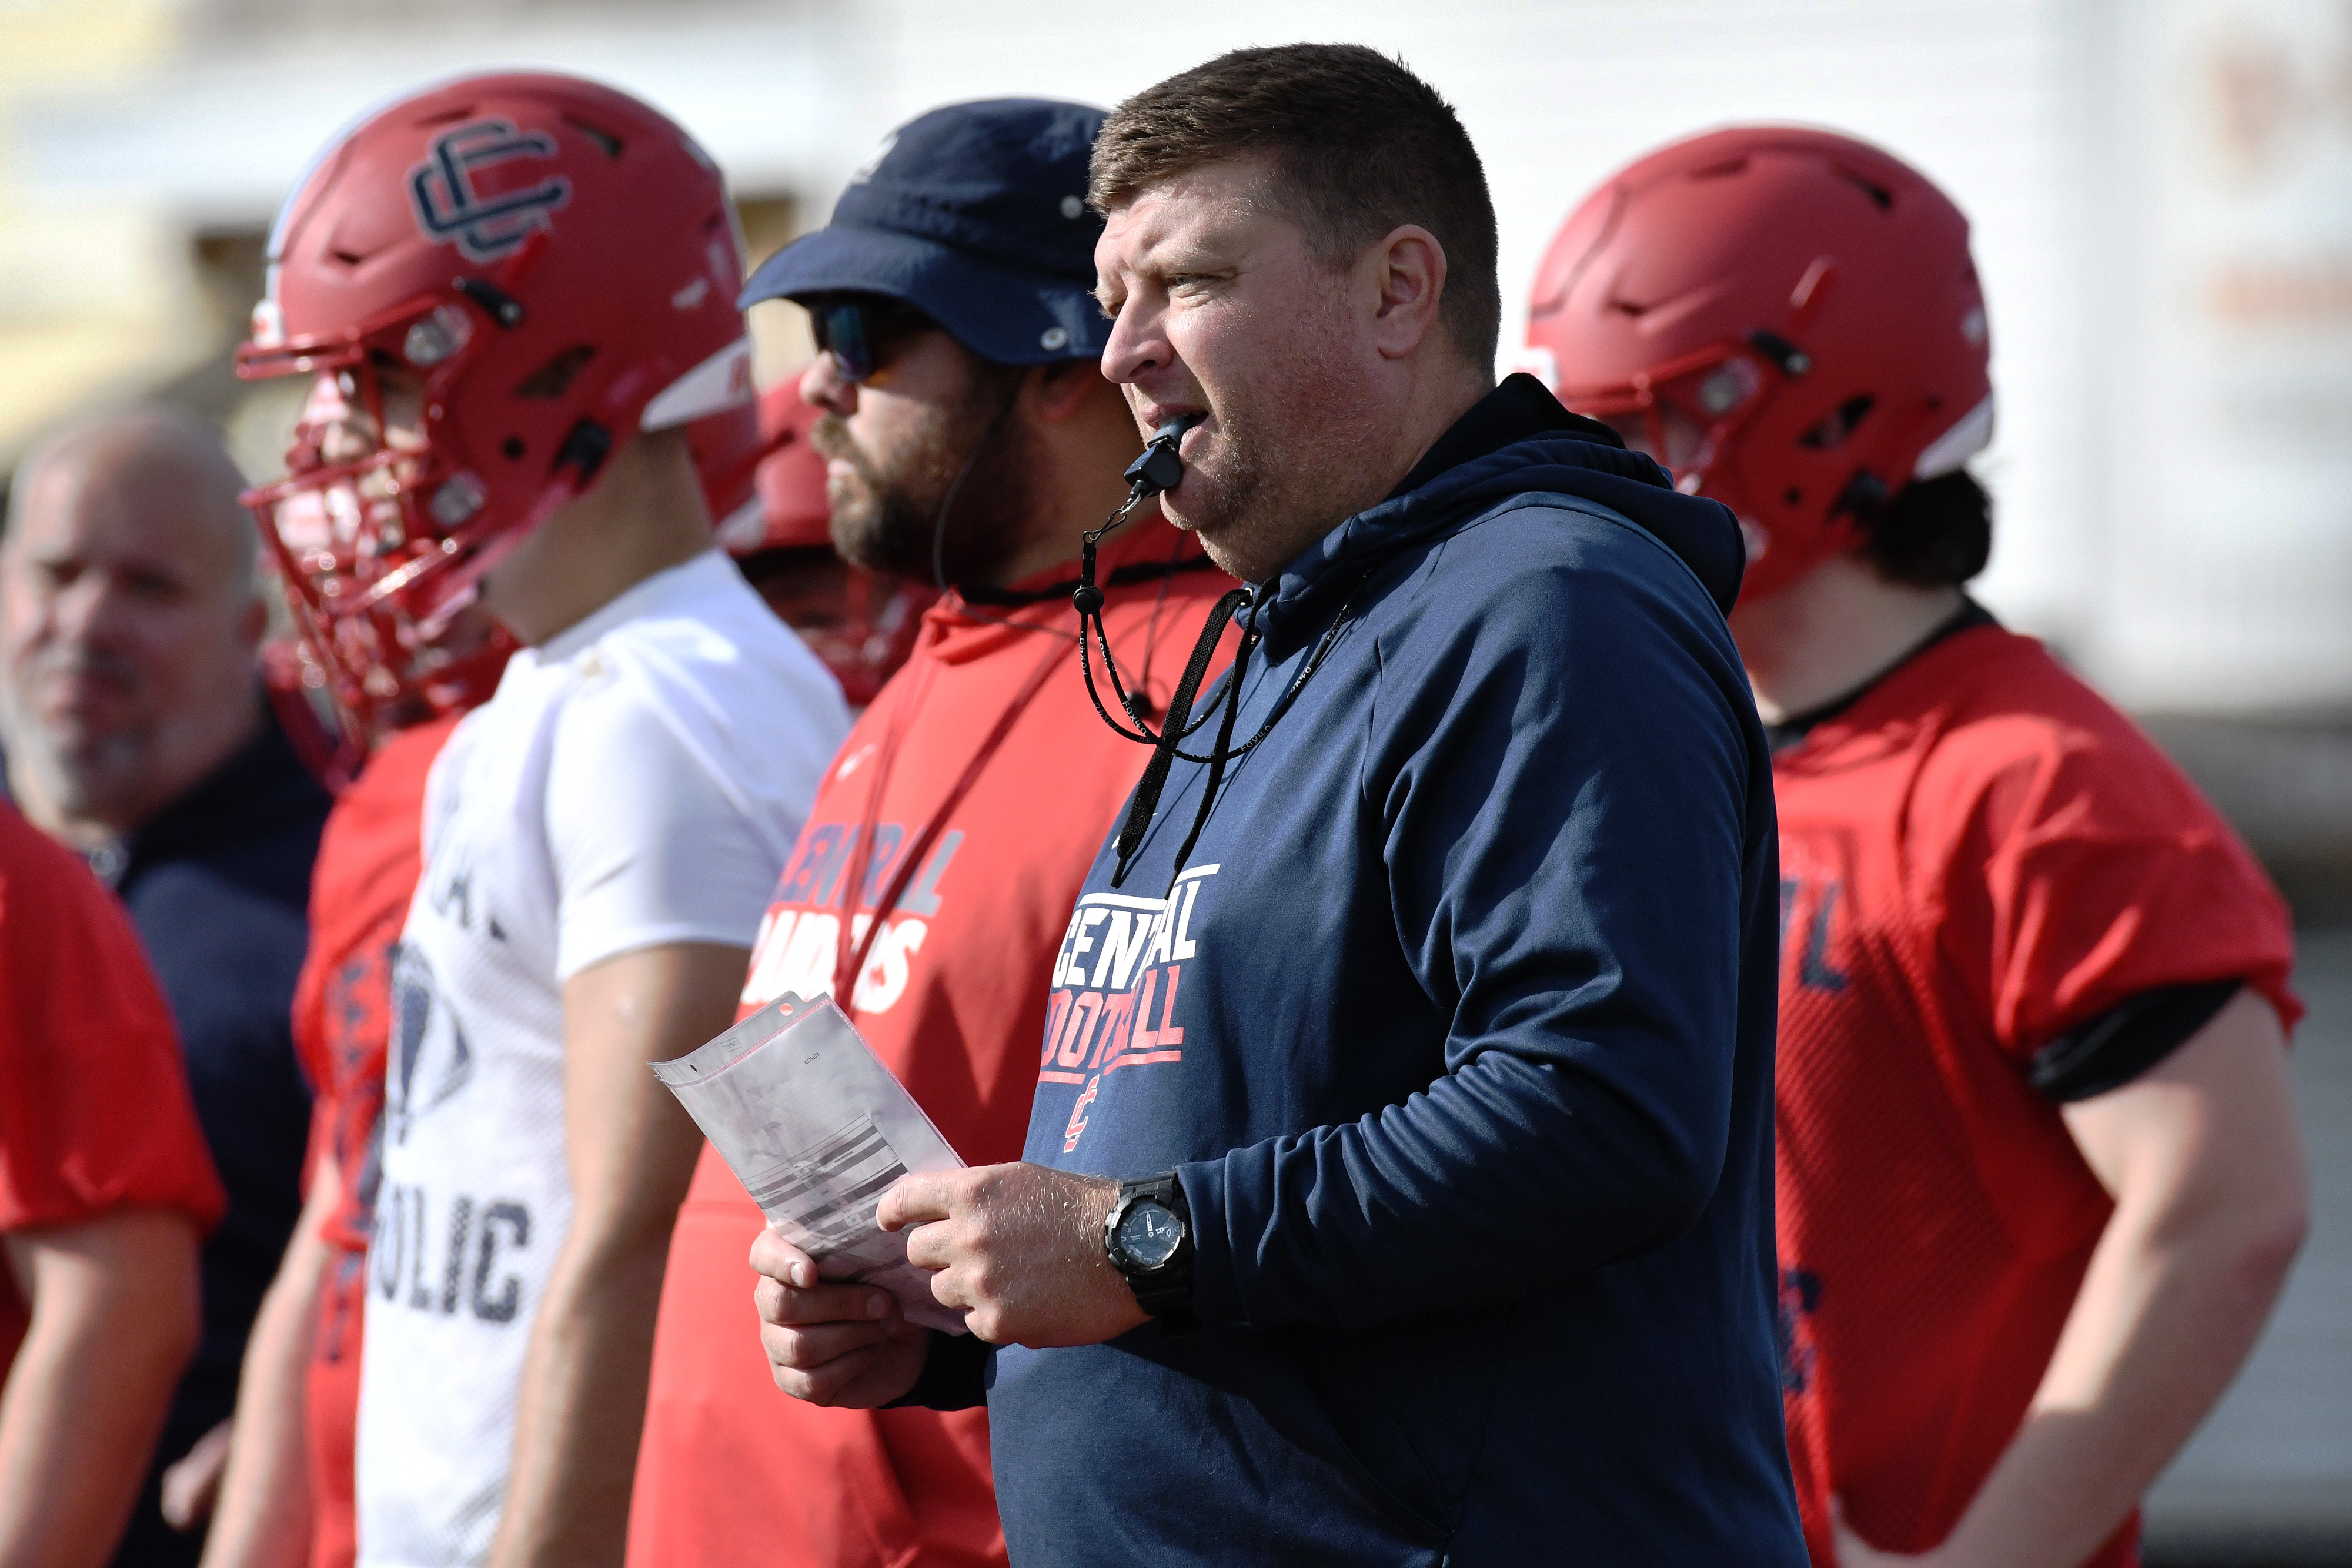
(95, 1111)
(360, 887)
(952, 998)
(1977, 857)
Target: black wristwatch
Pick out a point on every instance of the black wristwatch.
(1149, 1237)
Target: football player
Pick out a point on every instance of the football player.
(515, 293)
(2039, 1176)
(288, 1498)
(970, 440)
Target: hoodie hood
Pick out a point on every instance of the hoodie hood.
(1518, 442)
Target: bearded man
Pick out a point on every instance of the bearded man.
(970, 439)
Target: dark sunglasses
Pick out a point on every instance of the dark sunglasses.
(865, 332)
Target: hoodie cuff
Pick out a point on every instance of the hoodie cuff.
(1216, 1288)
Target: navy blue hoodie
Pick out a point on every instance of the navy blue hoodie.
(1457, 1029)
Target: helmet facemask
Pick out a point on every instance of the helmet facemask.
(495, 283)
(1690, 412)
(381, 527)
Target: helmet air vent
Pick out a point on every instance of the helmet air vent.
(1832, 429)
(606, 142)
(551, 379)
(1877, 192)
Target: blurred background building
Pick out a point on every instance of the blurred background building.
(2162, 198)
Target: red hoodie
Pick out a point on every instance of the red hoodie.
(953, 995)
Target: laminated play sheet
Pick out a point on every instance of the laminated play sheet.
(816, 1129)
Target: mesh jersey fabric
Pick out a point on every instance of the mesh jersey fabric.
(636, 780)
(360, 890)
(1977, 856)
(952, 998)
(95, 1110)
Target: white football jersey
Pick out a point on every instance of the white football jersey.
(637, 780)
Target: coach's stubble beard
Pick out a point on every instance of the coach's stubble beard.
(1282, 463)
(80, 768)
(887, 514)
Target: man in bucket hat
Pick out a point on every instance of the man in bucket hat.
(972, 439)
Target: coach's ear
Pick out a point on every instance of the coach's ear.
(1402, 280)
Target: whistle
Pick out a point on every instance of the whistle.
(1160, 468)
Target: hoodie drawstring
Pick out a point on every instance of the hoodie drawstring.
(1164, 747)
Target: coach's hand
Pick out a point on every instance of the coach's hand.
(846, 1345)
(1018, 1249)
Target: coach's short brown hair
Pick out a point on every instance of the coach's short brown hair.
(1358, 145)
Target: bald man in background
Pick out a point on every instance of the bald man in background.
(136, 733)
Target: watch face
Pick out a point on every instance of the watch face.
(1148, 1234)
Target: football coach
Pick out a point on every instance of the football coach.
(1399, 1188)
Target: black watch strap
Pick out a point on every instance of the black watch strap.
(1166, 1292)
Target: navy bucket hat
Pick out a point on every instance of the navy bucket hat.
(976, 215)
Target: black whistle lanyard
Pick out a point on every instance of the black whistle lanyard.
(1160, 468)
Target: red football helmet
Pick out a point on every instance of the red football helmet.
(527, 269)
(861, 623)
(1789, 319)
